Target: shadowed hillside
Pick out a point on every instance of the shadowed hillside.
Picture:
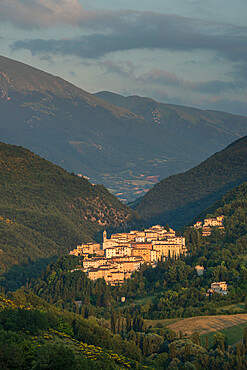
(178, 199)
(45, 211)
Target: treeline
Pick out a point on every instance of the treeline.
(172, 289)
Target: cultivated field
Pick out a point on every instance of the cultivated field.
(207, 324)
(234, 334)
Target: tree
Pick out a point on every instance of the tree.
(172, 350)
(138, 323)
(167, 228)
(245, 340)
(220, 341)
(114, 322)
(196, 338)
(128, 323)
(55, 357)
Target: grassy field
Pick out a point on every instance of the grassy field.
(234, 308)
(140, 302)
(207, 324)
(230, 325)
(160, 323)
(234, 334)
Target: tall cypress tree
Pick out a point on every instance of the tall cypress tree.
(245, 339)
(114, 322)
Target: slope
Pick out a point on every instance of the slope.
(35, 334)
(203, 126)
(125, 151)
(179, 198)
(172, 289)
(45, 211)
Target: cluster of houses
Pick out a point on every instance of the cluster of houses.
(216, 287)
(220, 288)
(208, 223)
(118, 257)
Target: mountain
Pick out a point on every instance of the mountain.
(199, 126)
(177, 199)
(212, 126)
(126, 151)
(46, 211)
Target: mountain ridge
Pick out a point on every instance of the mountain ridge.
(123, 150)
(134, 103)
(10, 81)
(179, 198)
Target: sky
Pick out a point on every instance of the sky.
(185, 52)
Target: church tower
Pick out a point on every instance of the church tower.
(104, 236)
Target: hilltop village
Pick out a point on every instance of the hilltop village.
(118, 257)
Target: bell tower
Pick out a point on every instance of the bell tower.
(104, 236)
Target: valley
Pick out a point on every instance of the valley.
(160, 310)
(123, 185)
(107, 137)
(144, 296)
(165, 312)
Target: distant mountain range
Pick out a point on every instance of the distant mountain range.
(179, 198)
(46, 211)
(127, 144)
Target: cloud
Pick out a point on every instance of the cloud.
(40, 13)
(122, 68)
(34, 14)
(130, 30)
(161, 77)
(47, 58)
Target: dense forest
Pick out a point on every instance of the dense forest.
(46, 211)
(177, 199)
(37, 335)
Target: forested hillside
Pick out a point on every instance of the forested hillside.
(172, 289)
(37, 335)
(179, 198)
(158, 297)
(46, 211)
